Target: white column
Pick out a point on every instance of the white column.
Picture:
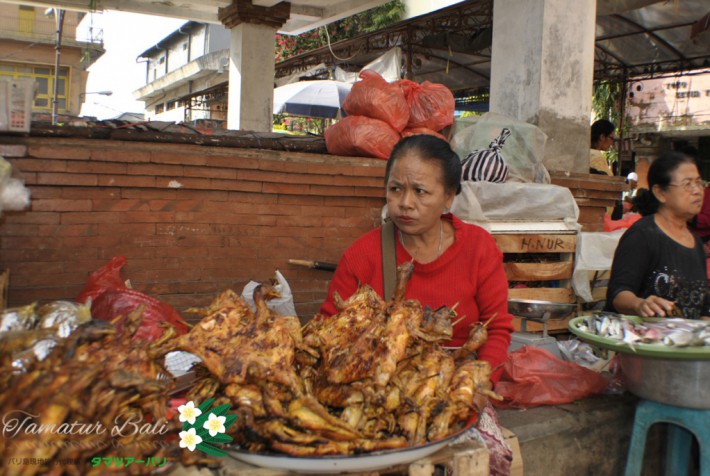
(542, 72)
(251, 77)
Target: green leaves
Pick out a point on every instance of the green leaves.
(370, 20)
(210, 450)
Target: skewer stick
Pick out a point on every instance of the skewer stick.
(489, 320)
(458, 320)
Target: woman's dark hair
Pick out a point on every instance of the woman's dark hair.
(602, 127)
(660, 173)
(429, 147)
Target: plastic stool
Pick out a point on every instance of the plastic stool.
(684, 422)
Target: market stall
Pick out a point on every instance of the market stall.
(96, 198)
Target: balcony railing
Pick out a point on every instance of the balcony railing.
(44, 30)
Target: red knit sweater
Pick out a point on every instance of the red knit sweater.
(470, 272)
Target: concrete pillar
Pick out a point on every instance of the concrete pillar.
(252, 62)
(542, 71)
(251, 77)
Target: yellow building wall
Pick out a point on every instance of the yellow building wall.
(27, 49)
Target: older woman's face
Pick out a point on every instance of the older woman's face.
(684, 195)
(416, 196)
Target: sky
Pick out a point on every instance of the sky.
(125, 35)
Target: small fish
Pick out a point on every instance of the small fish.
(678, 338)
(630, 335)
(604, 328)
(617, 329)
(651, 335)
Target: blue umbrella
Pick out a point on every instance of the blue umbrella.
(320, 98)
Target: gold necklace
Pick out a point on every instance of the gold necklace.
(441, 241)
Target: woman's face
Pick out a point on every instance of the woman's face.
(684, 195)
(416, 196)
(606, 142)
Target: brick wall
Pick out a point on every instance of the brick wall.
(191, 220)
(194, 220)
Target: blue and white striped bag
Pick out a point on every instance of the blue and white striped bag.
(486, 165)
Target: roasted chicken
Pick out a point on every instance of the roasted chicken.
(238, 346)
(374, 376)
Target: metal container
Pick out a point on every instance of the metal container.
(540, 311)
(683, 383)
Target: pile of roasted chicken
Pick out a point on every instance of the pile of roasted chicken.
(372, 377)
(91, 395)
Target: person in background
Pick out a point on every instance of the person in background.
(628, 195)
(659, 264)
(602, 140)
(700, 222)
(454, 262)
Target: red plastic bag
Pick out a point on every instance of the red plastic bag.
(532, 377)
(431, 105)
(121, 302)
(106, 277)
(374, 97)
(111, 298)
(413, 131)
(361, 137)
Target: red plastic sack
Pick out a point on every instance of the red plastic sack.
(361, 137)
(106, 277)
(532, 377)
(413, 131)
(374, 97)
(121, 302)
(431, 105)
(111, 298)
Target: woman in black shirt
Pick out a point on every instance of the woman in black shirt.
(659, 265)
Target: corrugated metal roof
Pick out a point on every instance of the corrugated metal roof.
(452, 46)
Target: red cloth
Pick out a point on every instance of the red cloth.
(626, 221)
(470, 272)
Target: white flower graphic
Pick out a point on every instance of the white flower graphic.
(188, 412)
(189, 439)
(215, 424)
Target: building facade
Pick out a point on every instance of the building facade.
(28, 51)
(669, 113)
(186, 74)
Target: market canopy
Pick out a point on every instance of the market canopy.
(305, 14)
(453, 45)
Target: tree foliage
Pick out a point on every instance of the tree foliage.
(364, 22)
(606, 102)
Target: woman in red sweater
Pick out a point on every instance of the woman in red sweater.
(454, 262)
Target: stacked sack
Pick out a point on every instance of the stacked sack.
(381, 113)
(14, 196)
